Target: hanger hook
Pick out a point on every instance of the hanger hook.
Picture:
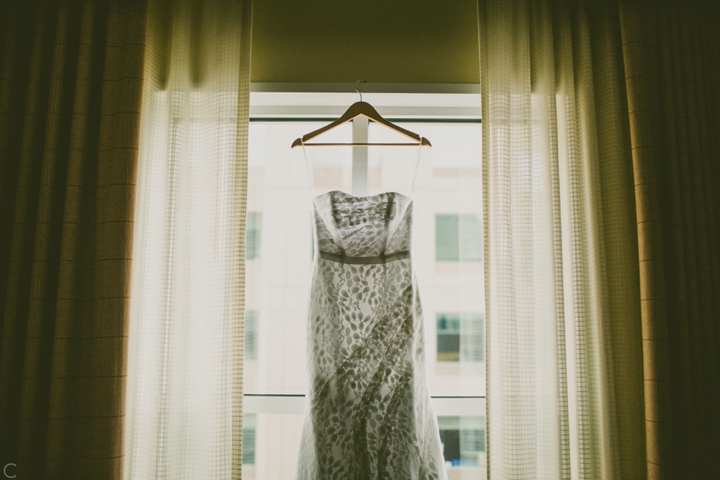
(356, 88)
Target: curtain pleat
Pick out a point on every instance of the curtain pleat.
(186, 333)
(70, 93)
(562, 288)
(672, 63)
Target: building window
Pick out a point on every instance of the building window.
(463, 440)
(252, 243)
(458, 238)
(248, 440)
(460, 337)
(251, 334)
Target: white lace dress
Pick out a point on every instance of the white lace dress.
(369, 414)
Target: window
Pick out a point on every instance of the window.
(458, 238)
(251, 334)
(460, 337)
(248, 441)
(448, 337)
(448, 185)
(253, 239)
(463, 440)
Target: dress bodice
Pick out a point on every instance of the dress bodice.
(373, 226)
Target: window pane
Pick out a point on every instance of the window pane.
(458, 238)
(248, 441)
(278, 280)
(448, 337)
(447, 212)
(251, 334)
(271, 443)
(275, 443)
(463, 440)
(460, 337)
(277, 283)
(470, 238)
(253, 238)
(447, 245)
(472, 337)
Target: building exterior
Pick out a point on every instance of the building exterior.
(447, 251)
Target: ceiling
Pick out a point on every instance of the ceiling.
(380, 41)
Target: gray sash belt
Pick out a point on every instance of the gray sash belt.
(364, 260)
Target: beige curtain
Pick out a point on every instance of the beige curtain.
(71, 76)
(672, 67)
(185, 372)
(565, 396)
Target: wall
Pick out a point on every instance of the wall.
(380, 41)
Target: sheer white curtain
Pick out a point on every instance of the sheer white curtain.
(565, 396)
(184, 400)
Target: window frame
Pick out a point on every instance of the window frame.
(308, 102)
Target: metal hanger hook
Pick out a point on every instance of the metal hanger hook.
(358, 91)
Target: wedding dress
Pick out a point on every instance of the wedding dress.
(368, 413)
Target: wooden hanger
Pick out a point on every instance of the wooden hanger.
(355, 110)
